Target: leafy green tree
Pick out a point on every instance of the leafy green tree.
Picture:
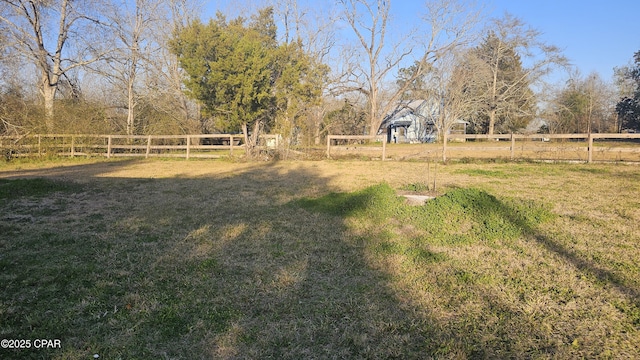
(242, 77)
(628, 108)
(570, 112)
(298, 87)
(415, 87)
(229, 67)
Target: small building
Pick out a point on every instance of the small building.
(413, 122)
(409, 122)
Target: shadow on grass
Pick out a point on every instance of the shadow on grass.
(222, 266)
(595, 272)
(586, 267)
(216, 266)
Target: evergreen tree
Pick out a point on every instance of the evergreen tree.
(240, 74)
(509, 103)
(628, 108)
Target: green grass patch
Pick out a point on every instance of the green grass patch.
(416, 187)
(488, 173)
(375, 203)
(13, 189)
(461, 216)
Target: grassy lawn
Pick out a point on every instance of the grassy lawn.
(176, 259)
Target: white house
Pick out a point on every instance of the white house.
(413, 122)
(409, 122)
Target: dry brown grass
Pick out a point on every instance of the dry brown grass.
(216, 259)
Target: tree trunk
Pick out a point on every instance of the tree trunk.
(130, 109)
(48, 94)
(444, 147)
(247, 146)
(254, 137)
(374, 122)
(251, 142)
(492, 121)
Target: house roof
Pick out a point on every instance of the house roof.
(397, 117)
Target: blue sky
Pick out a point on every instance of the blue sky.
(595, 35)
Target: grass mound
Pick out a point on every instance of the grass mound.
(375, 203)
(460, 216)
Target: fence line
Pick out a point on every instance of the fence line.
(589, 138)
(354, 137)
(186, 146)
(565, 147)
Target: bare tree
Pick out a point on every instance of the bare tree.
(601, 108)
(164, 73)
(507, 85)
(71, 44)
(312, 26)
(375, 58)
(143, 73)
(584, 104)
(132, 23)
(446, 86)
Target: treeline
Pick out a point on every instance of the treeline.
(156, 67)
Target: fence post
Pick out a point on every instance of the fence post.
(513, 146)
(590, 148)
(188, 146)
(384, 149)
(39, 146)
(230, 145)
(445, 139)
(148, 147)
(109, 147)
(73, 146)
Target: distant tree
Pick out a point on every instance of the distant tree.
(376, 55)
(347, 119)
(298, 86)
(57, 37)
(628, 108)
(310, 28)
(229, 67)
(583, 105)
(600, 108)
(509, 102)
(163, 81)
(415, 87)
(132, 24)
(447, 88)
(569, 110)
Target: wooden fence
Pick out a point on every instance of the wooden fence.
(579, 147)
(185, 146)
(357, 147)
(538, 147)
(555, 147)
